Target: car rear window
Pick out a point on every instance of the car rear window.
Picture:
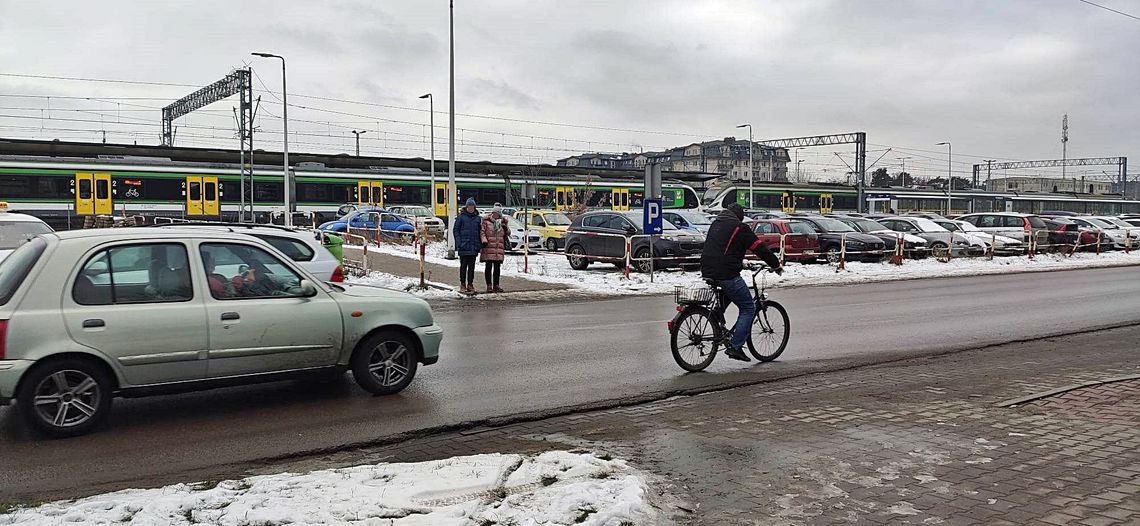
(1036, 222)
(799, 227)
(296, 250)
(16, 266)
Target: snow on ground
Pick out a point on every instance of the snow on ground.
(605, 279)
(406, 284)
(551, 488)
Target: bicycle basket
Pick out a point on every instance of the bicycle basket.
(692, 294)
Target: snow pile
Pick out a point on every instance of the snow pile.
(551, 488)
(406, 284)
(605, 278)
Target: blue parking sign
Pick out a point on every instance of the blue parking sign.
(652, 216)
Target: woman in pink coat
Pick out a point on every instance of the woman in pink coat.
(494, 234)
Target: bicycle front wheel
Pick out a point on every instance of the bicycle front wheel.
(694, 339)
(770, 332)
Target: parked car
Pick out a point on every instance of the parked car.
(369, 219)
(419, 215)
(1064, 233)
(689, 220)
(518, 233)
(1107, 230)
(801, 243)
(17, 229)
(302, 219)
(1009, 224)
(137, 311)
(937, 238)
(927, 215)
(765, 214)
(302, 246)
(1132, 221)
(1133, 230)
(1002, 246)
(860, 247)
(550, 224)
(913, 246)
(599, 236)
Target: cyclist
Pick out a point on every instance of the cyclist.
(722, 260)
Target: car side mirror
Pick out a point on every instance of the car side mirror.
(630, 230)
(308, 290)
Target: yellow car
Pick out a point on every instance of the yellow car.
(550, 223)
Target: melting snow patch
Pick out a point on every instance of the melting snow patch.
(983, 460)
(550, 488)
(903, 508)
(923, 479)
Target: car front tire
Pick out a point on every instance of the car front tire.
(577, 257)
(384, 363)
(65, 397)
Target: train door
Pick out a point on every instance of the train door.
(619, 199)
(192, 190)
(788, 202)
(564, 198)
(825, 203)
(84, 190)
(377, 193)
(364, 192)
(94, 194)
(211, 194)
(441, 199)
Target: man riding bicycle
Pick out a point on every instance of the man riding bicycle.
(722, 260)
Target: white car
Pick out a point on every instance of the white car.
(304, 247)
(533, 237)
(88, 315)
(419, 216)
(1133, 230)
(1109, 230)
(17, 229)
(1003, 246)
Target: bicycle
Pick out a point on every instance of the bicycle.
(698, 330)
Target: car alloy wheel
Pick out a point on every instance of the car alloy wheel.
(385, 362)
(551, 244)
(67, 398)
(388, 363)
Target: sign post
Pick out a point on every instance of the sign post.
(652, 223)
(529, 191)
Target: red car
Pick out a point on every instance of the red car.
(801, 242)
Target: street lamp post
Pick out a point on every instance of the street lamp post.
(431, 125)
(903, 159)
(452, 192)
(751, 195)
(949, 176)
(358, 134)
(798, 161)
(285, 141)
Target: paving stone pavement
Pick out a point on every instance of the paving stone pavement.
(922, 441)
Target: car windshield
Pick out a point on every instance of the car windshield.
(16, 233)
(953, 227)
(927, 225)
(363, 214)
(695, 218)
(964, 226)
(799, 227)
(636, 219)
(1100, 222)
(1115, 221)
(868, 225)
(556, 219)
(827, 224)
(515, 224)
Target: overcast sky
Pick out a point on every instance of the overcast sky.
(992, 76)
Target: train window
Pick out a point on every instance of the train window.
(211, 191)
(195, 193)
(440, 195)
(85, 189)
(102, 189)
(267, 191)
(14, 186)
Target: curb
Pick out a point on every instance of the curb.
(1061, 390)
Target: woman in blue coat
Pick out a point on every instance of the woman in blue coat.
(467, 244)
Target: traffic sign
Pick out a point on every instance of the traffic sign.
(652, 220)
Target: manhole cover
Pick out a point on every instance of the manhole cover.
(1115, 402)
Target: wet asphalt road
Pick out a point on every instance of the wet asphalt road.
(535, 357)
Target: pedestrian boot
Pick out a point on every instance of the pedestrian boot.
(497, 289)
(490, 289)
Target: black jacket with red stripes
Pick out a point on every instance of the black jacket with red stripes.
(725, 244)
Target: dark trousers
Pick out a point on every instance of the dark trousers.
(467, 269)
(491, 272)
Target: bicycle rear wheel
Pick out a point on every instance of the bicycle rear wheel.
(694, 339)
(770, 332)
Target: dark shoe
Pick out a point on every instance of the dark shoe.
(498, 289)
(736, 354)
(490, 289)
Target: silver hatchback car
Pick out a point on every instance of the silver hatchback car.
(91, 314)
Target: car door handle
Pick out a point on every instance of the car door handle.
(230, 316)
(93, 323)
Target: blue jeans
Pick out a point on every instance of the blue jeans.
(736, 291)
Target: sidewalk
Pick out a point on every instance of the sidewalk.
(408, 267)
(923, 441)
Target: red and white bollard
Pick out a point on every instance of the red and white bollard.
(1127, 241)
(842, 254)
(423, 257)
(783, 248)
(627, 260)
(900, 244)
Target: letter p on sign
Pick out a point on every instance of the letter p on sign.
(652, 216)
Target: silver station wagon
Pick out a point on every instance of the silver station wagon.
(88, 315)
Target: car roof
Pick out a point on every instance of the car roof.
(16, 217)
(134, 233)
